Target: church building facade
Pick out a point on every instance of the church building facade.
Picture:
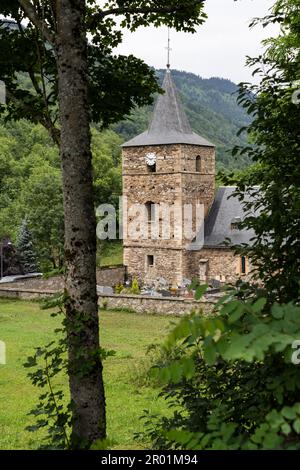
(170, 166)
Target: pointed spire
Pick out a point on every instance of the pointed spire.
(169, 117)
(169, 124)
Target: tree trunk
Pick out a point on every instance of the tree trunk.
(85, 373)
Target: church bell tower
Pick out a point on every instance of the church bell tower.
(164, 169)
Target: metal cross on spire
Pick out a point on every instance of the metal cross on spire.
(169, 49)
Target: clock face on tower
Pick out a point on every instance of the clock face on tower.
(150, 159)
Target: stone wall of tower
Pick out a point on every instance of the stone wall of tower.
(167, 264)
(141, 187)
(175, 182)
(168, 159)
(198, 186)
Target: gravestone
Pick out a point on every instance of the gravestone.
(2, 353)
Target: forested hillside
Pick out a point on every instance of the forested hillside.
(211, 105)
(30, 176)
(30, 184)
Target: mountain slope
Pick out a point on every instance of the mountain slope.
(212, 109)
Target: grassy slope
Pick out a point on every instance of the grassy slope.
(23, 326)
(111, 254)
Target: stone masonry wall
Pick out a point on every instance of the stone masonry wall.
(222, 265)
(150, 188)
(198, 187)
(167, 264)
(163, 305)
(105, 277)
(52, 284)
(168, 159)
(111, 276)
(174, 183)
(189, 153)
(138, 304)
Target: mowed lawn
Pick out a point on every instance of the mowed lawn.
(24, 326)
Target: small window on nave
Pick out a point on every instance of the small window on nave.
(198, 164)
(243, 265)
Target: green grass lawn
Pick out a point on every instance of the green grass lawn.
(110, 254)
(24, 326)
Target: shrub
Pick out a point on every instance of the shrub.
(135, 289)
(119, 288)
(229, 380)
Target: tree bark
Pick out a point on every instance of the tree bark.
(85, 367)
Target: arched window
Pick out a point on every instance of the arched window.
(150, 207)
(198, 164)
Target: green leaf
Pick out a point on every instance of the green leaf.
(258, 306)
(175, 372)
(200, 291)
(286, 429)
(210, 354)
(237, 314)
(296, 425)
(272, 441)
(230, 307)
(188, 368)
(260, 433)
(288, 412)
(31, 362)
(277, 311)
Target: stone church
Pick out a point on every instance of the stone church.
(170, 164)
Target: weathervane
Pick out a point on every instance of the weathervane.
(169, 49)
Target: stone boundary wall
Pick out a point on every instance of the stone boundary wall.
(111, 276)
(105, 277)
(135, 303)
(37, 283)
(159, 305)
(25, 294)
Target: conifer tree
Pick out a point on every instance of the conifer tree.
(25, 247)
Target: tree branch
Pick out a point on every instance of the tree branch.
(45, 121)
(37, 21)
(144, 11)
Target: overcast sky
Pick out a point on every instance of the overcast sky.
(218, 48)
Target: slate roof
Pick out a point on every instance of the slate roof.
(224, 211)
(169, 123)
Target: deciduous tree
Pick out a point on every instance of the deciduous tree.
(92, 84)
